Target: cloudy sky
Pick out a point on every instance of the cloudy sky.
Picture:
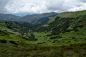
(41, 6)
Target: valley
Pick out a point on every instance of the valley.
(58, 35)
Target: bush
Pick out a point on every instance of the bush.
(13, 42)
(32, 37)
(3, 33)
(3, 41)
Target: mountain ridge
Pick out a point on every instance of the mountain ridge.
(36, 17)
(33, 19)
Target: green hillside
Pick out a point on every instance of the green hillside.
(63, 31)
(72, 14)
(61, 36)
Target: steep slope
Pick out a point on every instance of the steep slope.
(38, 18)
(64, 30)
(65, 19)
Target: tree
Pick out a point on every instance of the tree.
(55, 37)
(32, 37)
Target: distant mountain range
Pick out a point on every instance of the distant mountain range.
(9, 17)
(23, 14)
(33, 19)
(20, 14)
(38, 18)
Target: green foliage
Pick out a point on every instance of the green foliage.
(55, 37)
(32, 37)
(3, 41)
(32, 50)
(3, 33)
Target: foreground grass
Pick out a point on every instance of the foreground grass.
(9, 49)
(15, 46)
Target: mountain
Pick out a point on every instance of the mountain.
(20, 14)
(23, 14)
(9, 17)
(33, 19)
(63, 20)
(38, 18)
(66, 28)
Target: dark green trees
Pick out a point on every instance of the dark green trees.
(32, 37)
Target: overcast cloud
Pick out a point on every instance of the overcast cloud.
(41, 6)
(3, 5)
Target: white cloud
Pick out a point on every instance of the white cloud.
(33, 6)
(79, 6)
(57, 5)
(82, 1)
(2, 5)
(41, 6)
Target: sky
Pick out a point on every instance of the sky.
(41, 6)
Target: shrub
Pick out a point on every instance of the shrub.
(13, 42)
(3, 41)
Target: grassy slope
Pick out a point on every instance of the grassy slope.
(4, 25)
(15, 46)
(9, 49)
(72, 14)
(68, 15)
